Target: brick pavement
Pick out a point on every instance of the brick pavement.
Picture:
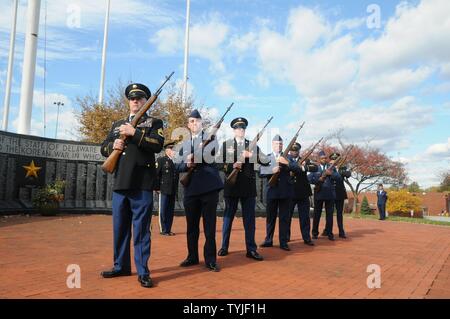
(414, 261)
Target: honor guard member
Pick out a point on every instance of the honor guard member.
(341, 195)
(325, 196)
(301, 194)
(381, 201)
(243, 190)
(167, 185)
(278, 197)
(201, 195)
(134, 177)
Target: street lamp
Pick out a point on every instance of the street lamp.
(57, 117)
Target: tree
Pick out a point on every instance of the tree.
(365, 207)
(445, 184)
(402, 201)
(414, 187)
(96, 119)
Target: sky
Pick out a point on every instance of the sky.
(378, 71)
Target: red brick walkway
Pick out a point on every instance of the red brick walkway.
(414, 261)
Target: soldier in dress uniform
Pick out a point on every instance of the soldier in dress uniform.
(201, 195)
(325, 196)
(244, 190)
(301, 194)
(134, 177)
(341, 195)
(167, 186)
(278, 197)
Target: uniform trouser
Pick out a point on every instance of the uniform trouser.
(132, 207)
(167, 205)
(303, 216)
(329, 207)
(274, 207)
(204, 205)
(339, 204)
(248, 217)
(382, 210)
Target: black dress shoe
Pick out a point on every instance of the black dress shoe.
(115, 273)
(145, 281)
(285, 247)
(253, 254)
(314, 237)
(188, 262)
(222, 252)
(164, 233)
(331, 238)
(213, 267)
(171, 234)
(265, 244)
(342, 236)
(309, 243)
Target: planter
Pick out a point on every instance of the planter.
(49, 209)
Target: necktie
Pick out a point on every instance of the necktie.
(131, 118)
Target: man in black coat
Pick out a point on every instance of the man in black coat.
(201, 195)
(324, 179)
(244, 190)
(167, 186)
(341, 195)
(278, 197)
(301, 194)
(134, 177)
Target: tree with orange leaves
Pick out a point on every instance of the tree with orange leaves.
(369, 167)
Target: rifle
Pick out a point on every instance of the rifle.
(309, 152)
(274, 178)
(231, 179)
(339, 161)
(322, 177)
(187, 177)
(344, 158)
(111, 162)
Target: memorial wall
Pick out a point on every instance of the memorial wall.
(29, 162)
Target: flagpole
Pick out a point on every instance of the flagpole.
(105, 43)
(29, 66)
(186, 52)
(10, 66)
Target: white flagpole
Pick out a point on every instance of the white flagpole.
(29, 66)
(105, 43)
(186, 53)
(10, 65)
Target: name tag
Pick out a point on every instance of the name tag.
(146, 123)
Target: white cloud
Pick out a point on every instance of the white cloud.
(224, 88)
(440, 150)
(385, 126)
(240, 45)
(205, 40)
(168, 40)
(392, 84)
(414, 34)
(50, 98)
(91, 14)
(445, 70)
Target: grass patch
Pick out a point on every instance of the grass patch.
(402, 219)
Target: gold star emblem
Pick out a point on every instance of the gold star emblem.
(32, 169)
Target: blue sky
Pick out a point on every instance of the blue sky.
(317, 61)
